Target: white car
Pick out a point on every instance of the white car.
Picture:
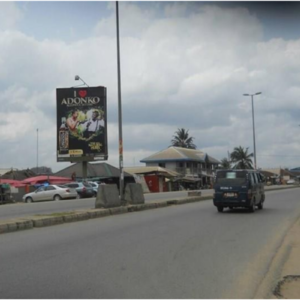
(291, 181)
(50, 192)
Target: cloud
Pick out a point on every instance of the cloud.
(9, 15)
(183, 65)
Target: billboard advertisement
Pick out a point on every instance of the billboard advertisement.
(81, 124)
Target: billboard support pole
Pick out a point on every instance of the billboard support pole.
(84, 170)
(120, 110)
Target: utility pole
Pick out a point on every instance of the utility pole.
(37, 151)
(120, 109)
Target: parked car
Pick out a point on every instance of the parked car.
(291, 181)
(50, 192)
(84, 189)
(95, 187)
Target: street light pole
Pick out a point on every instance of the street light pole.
(37, 151)
(253, 125)
(120, 109)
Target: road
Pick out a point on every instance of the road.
(21, 210)
(184, 251)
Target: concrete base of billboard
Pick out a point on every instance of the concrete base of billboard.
(108, 196)
(134, 193)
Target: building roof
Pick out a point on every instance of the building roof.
(18, 174)
(287, 173)
(5, 170)
(267, 173)
(151, 170)
(99, 170)
(180, 154)
(281, 172)
(46, 178)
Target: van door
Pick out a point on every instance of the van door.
(261, 186)
(254, 186)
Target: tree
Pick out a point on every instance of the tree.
(182, 139)
(241, 158)
(42, 170)
(225, 163)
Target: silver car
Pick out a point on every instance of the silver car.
(50, 192)
(95, 187)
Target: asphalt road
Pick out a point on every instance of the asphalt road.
(184, 251)
(20, 210)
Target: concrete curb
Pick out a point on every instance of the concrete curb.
(283, 188)
(81, 215)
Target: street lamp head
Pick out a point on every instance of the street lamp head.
(246, 95)
(258, 93)
(78, 78)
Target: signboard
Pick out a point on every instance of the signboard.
(81, 124)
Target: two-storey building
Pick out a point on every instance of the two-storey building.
(188, 162)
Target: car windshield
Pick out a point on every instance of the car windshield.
(231, 177)
(86, 184)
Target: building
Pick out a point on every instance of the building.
(95, 172)
(283, 175)
(193, 164)
(156, 179)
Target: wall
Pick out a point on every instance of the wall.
(151, 164)
(171, 166)
(153, 183)
(18, 193)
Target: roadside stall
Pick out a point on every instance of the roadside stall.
(5, 193)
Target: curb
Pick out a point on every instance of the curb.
(81, 215)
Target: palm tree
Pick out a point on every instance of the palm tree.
(225, 163)
(241, 158)
(182, 139)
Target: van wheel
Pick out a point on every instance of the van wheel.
(252, 208)
(220, 208)
(260, 205)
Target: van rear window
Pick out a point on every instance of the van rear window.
(231, 177)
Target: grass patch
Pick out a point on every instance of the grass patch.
(59, 214)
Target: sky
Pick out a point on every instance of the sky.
(183, 65)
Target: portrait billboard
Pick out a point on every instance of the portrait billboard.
(81, 124)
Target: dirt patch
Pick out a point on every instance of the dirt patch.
(288, 288)
(282, 280)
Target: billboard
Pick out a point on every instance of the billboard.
(81, 124)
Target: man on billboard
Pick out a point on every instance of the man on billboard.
(94, 124)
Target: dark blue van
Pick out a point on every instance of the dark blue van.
(239, 188)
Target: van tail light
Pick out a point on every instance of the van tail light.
(249, 194)
(67, 190)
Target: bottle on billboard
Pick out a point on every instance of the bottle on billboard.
(63, 137)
